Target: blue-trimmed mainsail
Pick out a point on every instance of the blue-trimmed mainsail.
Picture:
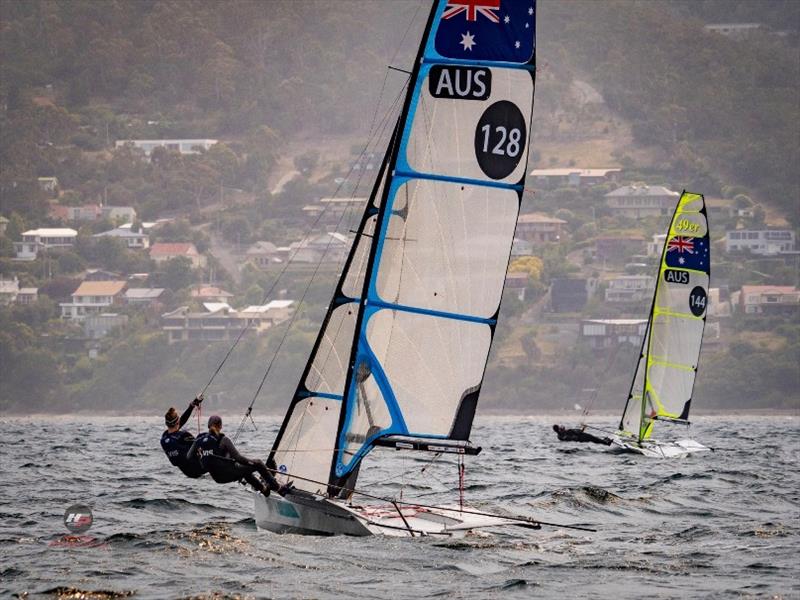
(434, 245)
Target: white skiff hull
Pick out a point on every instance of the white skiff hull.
(308, 515)
(656, 449)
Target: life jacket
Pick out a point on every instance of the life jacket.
(208, 445)
(176, 445)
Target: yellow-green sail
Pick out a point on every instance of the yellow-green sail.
(664, 379)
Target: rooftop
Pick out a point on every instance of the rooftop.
(569, 171)
(539, 218)
(121, 232)
(144, 293)
(52, 232)
(768, 289)
(642, 190)
(205, 291)
(99, 288)
(616, 321)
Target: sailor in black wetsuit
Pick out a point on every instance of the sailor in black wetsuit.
(176, 441)
(578, 435)
(223, 462)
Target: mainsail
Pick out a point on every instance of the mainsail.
(664, 380)
(404, 345)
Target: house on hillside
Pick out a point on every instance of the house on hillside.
(734, 30)
(218, 322)
(3, 225)
(211, 293)
(630, 288)
(48, 184)
(184, 146)
(655, 247)
(610, 333)
(93, 298)
(101, 275)
(769, 299)
(764, 242)
(517, 283)
(27, 295)
(330, 247)
(538, 228)
(134, 240)
(99, 325)
(637, 201)
(262, 254)
(9, 289)
(87, 212)
(36, 240)
(333, 210)
(150, 298)
(573, 177)
(163, 251)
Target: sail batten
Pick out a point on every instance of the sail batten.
(663, 383)
(442, 236)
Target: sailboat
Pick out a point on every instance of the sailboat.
(401, 354)
(661, 390)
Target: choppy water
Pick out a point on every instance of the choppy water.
(722, 524)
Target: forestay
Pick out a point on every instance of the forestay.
(664, 380)
(413, 318)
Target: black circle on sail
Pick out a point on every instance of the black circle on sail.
(500, 139)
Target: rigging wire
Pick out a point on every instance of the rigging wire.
(309, 230)
(395, 502)
(383, 126)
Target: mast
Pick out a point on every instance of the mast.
(431, 292)
(671, 345)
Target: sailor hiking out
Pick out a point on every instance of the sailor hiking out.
(176, 441)
(578, 435)
(220, 458)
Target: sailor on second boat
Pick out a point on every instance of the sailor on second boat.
(176, 441)
(578, 435)
(223, 462)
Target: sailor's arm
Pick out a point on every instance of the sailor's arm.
(188, 412)
(227, 445)
(192, 451)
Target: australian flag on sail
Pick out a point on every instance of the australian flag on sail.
(688, 253)
(496, 30)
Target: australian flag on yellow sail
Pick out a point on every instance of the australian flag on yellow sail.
(688, 253)
(494, 30)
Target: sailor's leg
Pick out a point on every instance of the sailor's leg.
(265, 473)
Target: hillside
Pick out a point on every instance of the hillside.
(293, 92)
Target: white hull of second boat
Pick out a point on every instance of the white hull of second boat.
(656, 449)
(308, 515)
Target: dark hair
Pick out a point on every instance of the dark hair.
(171, 417)
(556, 427)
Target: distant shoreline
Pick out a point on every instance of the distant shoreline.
(566, 415)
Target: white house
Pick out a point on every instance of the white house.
(608, 333)
(766, 242)
(35, 240)
(630, 288)
(636, 201)
(9, 290)
(92, 298)
(135, 240)
(328, 247)
(184, 146)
